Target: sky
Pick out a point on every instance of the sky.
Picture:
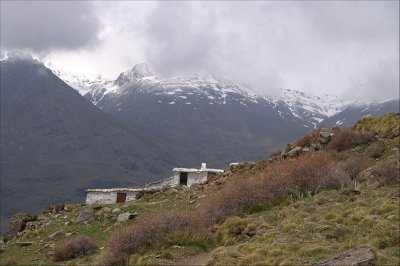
(348, 48)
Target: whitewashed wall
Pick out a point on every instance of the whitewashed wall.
(196, 178)
(107, 197)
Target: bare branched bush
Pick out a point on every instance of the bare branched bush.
(348, 138)
(375, 150)
(386, 171)
(336, 178)
(76, 247)
(353, 166)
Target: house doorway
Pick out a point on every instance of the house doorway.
(121, 197)
(183, 177)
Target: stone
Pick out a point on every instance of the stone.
(68, 234)
(294, 152)
(326, 133)
(17, 224)
(126, 216)
(33, 225)
(24, 243)
(57, 235)
(116, 210)
(2, 247)
(359, 256)
(84, 216)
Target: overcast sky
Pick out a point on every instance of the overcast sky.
(346, 48)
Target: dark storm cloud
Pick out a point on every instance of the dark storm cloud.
(180, 38)
(316, 46)
(44, 25)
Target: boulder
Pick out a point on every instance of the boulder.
(84, 216)
(294, 152)
(2, 246)
(33, 225)
(24, 243)
(126, 216)
(359, 256)
(18, 224)
(116, 210)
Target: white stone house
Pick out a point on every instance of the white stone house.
(181, 177)
(190, 176)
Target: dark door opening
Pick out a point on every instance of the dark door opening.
(121, 197)
(183, 177)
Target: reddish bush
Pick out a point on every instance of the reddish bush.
(62, 252)
(76, 247)
(305, 141)
(304, 175)
(301, 176)
(348, 138)
(149, 233)
(375, 150)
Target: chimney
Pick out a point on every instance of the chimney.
(203, 167)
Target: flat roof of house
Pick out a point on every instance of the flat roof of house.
(194, 170)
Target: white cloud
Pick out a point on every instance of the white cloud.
(311, 46)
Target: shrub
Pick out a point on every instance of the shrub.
(348, 138)
(387, 172)
(305, 141)
(150, 232)
(375, 150)
(353, 166)
(76, 247)
(336, 178)
(62, 252)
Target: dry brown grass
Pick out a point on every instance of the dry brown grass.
(345, 139)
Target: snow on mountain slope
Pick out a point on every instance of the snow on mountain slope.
(140, 79)
(311, 109)
(79, 82)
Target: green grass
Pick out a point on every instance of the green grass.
(315, 228)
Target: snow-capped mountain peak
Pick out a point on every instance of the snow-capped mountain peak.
(139, 71)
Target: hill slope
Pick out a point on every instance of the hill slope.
(54, 143)
(296, 211)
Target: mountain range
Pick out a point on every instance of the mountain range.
(62, 133)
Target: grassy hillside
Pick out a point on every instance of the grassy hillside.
(297, 210)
